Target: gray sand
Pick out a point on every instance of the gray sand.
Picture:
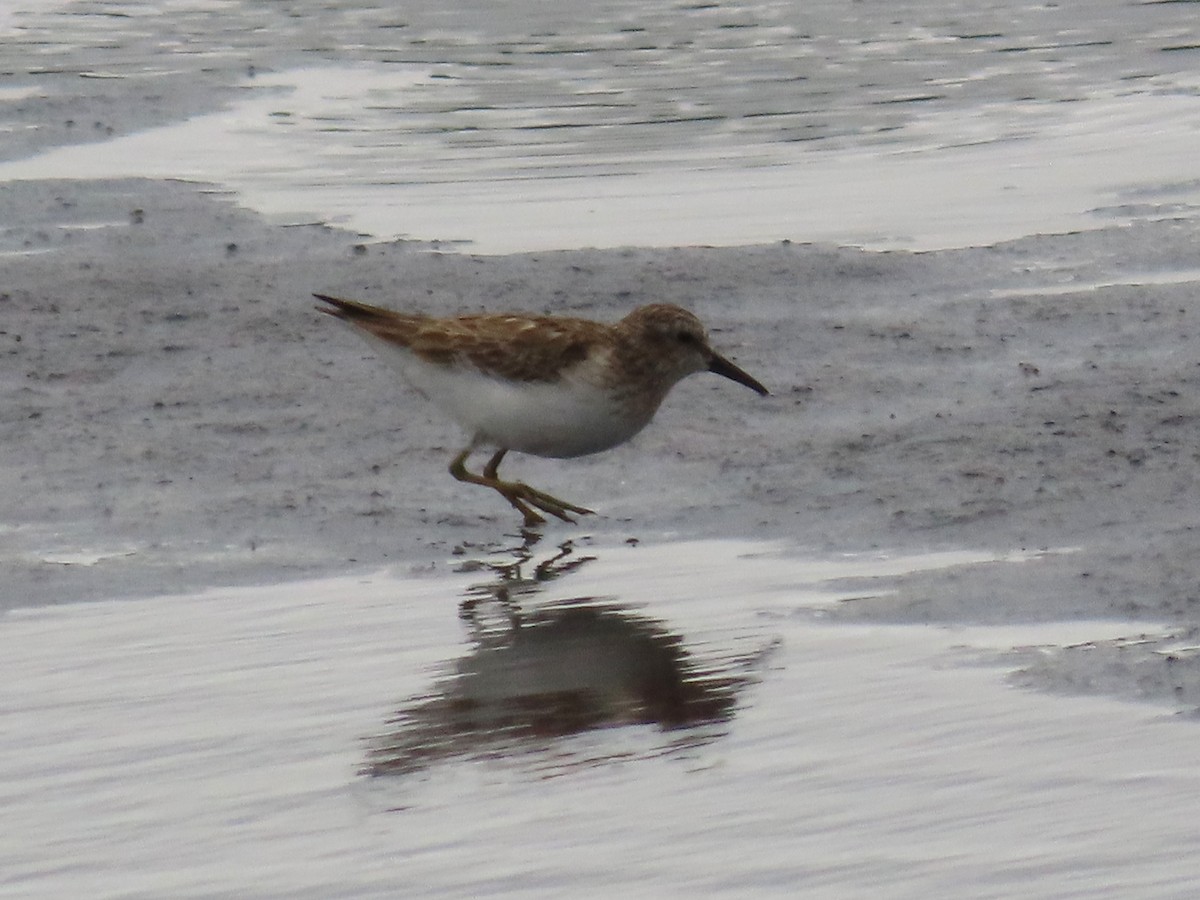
(175, 405)
(175, 414)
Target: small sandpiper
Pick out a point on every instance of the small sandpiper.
(549, 386)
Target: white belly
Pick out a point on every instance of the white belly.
(555, 419)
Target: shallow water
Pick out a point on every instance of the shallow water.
(222, 743)
(659, 124)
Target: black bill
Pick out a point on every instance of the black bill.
(722, 366)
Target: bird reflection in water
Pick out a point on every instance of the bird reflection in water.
(539, 673)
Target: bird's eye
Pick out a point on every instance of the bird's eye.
(686, 338)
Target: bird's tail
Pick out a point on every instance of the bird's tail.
(352, 310)
(393, 328)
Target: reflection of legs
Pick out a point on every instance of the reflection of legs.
(468, 610)
(519, 494)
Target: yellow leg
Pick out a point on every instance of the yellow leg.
(517, 493)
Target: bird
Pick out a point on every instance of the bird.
(549, 386)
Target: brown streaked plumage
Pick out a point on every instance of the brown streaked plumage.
(545, 385)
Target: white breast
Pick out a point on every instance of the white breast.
(556, 419)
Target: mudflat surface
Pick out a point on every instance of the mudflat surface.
(179, 414)
(175, 414)
(957, 244)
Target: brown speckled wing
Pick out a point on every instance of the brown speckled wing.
(516, 347)
(519, 348)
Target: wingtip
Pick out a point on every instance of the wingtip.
(337, 307)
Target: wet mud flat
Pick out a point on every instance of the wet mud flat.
(258, 643)
(177, 414)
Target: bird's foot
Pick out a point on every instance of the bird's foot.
(522, 497)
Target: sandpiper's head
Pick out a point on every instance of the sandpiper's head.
(676, 344)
